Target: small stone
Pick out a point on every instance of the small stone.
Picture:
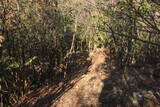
(137, 96)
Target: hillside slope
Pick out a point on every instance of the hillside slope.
(97, 86)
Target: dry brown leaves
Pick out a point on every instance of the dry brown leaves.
(1, 40)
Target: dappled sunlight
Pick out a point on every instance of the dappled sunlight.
(77, 66)
(79, 53)
(100, 86)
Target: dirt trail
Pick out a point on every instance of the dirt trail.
(84, 84)
(85, 93)
(87, 90)
(96, 86)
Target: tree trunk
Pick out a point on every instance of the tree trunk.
(72, 49)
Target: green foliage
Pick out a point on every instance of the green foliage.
(145, 7)
(30, 61)
(123, 5)
(38, 35)
(129, 24)
(9, 63)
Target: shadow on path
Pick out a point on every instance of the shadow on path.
(77, 65)
(134, 89)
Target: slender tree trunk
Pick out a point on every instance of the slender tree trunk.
(1, 46)
(72, 49)
(3, 25)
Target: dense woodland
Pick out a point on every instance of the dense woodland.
(37, 35)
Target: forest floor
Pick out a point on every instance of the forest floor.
(91, 84)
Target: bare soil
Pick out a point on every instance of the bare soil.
(93, 85)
